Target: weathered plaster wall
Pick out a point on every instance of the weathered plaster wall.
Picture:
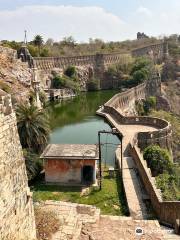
(16, 208)
(65, 171)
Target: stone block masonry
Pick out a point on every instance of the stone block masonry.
(138, 135)
(96, 65)
(16, 207)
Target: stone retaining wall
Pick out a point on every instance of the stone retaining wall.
(95, 65)
(122, 106)
(154, 51)
(167, 211)
(98, 63)
(16, 207)
(90, 60)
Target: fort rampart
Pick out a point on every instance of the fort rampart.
(156, 51)
(98, 60)
(16, 207)
(122, 106)
(167, 211)
(96, 64)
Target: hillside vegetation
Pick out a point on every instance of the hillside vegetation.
(69, 47)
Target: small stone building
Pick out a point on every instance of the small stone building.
(70, 164)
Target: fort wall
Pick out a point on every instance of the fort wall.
(122, 106)
(96, 64)
(155, 51)
(16, 208)
(167, 211)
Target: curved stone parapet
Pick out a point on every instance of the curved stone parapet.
(119, 105)
(156, 131)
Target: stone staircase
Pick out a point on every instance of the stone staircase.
(84, 222)
(71, 217)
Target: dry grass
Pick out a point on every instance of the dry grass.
(46, 224)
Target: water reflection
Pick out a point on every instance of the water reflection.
(74, 121)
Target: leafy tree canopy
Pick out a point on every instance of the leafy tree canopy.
(158, 159)
(33, 127)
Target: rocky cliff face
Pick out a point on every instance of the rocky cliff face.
(84, 74)
(171, 91)
(15, 76)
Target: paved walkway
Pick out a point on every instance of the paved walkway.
(84, 222)
(121, 228)
(133, 187)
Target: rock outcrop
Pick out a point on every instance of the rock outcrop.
(15, 76)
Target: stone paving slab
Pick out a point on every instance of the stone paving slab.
(112, 229)
(132, 187)
(71, 217)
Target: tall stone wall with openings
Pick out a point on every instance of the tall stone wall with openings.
(98, 63)
(95, 65)
(16, 207)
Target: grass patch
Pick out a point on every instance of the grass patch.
(111, 199)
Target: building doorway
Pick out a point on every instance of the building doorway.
(87, 174)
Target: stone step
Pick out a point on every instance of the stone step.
(111, 228)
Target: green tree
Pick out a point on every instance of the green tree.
(33, 164)
(33, 127)
(38, 41)
(140, 63)
(44, 52)
(33, 50)
(141, 70)
(139, 76)
(58, 82)
(68, 41)
(158, 159)
(93, 84)
(149, 104)
(70, 71)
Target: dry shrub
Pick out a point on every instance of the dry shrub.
(46, 223)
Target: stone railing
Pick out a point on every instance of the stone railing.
(119, 106)
(167, 211)
(157, 50)
(124, 99)
(98, 60)
(62, 62)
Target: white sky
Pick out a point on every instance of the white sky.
(84, 22)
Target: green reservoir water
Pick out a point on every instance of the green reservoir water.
(74, 121)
